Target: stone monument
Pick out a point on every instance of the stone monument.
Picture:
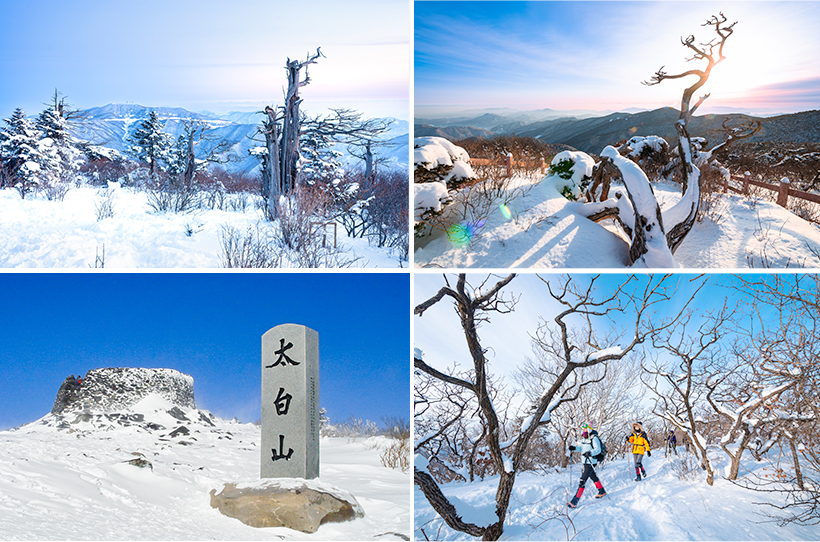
(290, 444)
(290, 402)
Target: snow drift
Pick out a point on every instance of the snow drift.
(134, 459)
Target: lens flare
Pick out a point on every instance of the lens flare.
(462, 235)
(505, 211)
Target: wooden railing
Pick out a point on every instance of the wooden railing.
(784, 189)
(509, 164)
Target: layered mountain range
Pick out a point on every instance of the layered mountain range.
(110, 125)
(591, 134)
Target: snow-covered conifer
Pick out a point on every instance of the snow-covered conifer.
(22, 153)
(65, 155)
(150, 143)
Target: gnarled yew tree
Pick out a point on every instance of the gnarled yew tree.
(655, 235)
(685, 211)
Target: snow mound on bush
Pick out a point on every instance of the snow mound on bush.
(428, 197)
(431, 152)
(639, 143)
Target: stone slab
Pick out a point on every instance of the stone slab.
(296, 504)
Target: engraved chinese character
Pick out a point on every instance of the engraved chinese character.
(282, 402)
(281, 454)
(283, 358)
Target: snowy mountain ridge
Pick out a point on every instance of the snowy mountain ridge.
(111, 124)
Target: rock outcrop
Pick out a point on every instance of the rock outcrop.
(294, 503)
(118, 389)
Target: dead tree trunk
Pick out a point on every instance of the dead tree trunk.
(291, 122)
(271, 174)
(368, 160)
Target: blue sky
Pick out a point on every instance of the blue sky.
(209, 326)
(508, 336)
(594, 55)
(204, 54)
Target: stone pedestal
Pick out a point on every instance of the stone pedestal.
(290, 402)
(299, 505)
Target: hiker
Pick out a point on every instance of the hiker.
(640, 446)
(79, 380)
(590, 447)
(672, 441)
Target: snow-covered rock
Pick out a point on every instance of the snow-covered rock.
(120, 388)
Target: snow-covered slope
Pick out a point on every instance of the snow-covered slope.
(540, 228)
(35, 232)
(664, 506)
(144, 473)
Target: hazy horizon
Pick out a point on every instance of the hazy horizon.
(206, 55)
(455, 111)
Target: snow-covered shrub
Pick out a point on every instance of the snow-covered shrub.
(439, 166)
(386, 215)
(575, 168)
(652, 153)
(712, 178)
(100, 171)
(396, 455)
(687, 467)
(643, 147)
(251, 249)
(351, 428)
(176, 197)
(437, 160)
(104, 206)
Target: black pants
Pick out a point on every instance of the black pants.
(588, 473)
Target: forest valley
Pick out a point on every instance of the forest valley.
(301, 196)
(461, 188)
(730, 363)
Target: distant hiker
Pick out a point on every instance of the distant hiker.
(672, 441)
(590, 446)
(640, 446)
(79, 380)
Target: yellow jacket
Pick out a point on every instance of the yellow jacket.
(640, 445)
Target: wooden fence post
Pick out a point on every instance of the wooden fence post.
(783, 192)
(508, 163)
(746, 177)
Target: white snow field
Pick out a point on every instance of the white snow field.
(540, 228)
(35, 232)
(660, 507)
(75, 484)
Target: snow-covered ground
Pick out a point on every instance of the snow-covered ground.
(661, 507)
(35, 232)
(75, 484)
(541, 228)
